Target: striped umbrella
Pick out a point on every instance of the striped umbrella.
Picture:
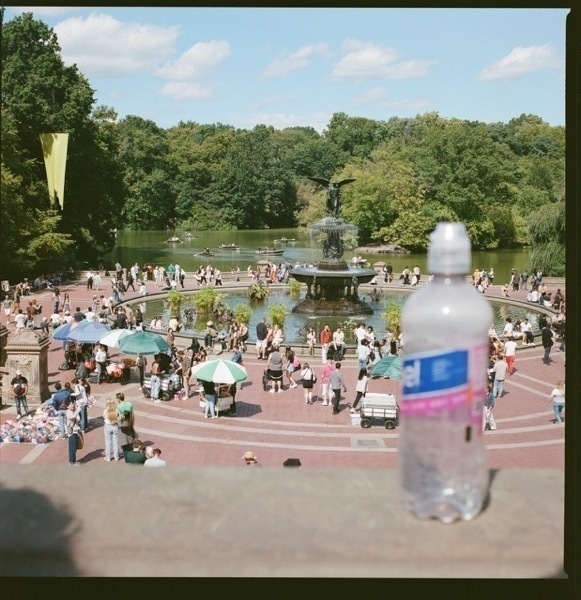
(219, 371)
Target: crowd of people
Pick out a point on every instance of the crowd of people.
(284, 368)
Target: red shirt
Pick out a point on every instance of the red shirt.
(326, 336)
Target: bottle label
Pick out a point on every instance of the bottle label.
(444, 380)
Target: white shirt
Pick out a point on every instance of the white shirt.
(360, 334)
(507, 331)
(154, 461)
(525, 326)
(558, 396)
(510, 348)
(90, 316)
(20, 320)
(362, 351)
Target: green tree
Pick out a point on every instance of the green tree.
(41, 94)
(148, 175)
(547, 231)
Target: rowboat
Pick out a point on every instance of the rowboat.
(173, 240)
(229, 246)
(283, 240)
(205, 252)
(270, 251)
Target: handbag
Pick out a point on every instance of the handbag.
(80, 440)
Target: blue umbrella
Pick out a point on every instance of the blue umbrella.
(88, 332)
(62, 331)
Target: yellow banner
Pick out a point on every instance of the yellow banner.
(54, 149)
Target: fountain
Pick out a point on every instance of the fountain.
(332, 285)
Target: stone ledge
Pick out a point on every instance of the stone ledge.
(116, 520)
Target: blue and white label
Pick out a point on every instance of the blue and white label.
(434, 372)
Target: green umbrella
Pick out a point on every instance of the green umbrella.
(389, 366)
(143, 342)
(219, 371)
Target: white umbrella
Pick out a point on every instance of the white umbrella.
(112, 338)
(219, 371)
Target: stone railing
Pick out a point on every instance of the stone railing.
(269, 522)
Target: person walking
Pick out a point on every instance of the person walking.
(111, 430)
(293, 364)
(325, 388)
(74, 432)
(360, 388)
(558, 398)
(510, 355)
(19, 385)
(547, 341)
(498, 371)
(336, 382)
(309, 379)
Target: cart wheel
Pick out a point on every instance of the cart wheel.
(147, 393)
(365, 423)
(164, 396)
(389, 424)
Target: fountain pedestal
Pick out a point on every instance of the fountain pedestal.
(332, 286)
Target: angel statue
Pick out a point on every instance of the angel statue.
(333, 193)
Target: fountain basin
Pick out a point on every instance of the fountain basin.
(332, 289)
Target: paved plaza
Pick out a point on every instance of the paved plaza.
(280, 426)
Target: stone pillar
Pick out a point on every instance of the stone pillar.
(27, 351)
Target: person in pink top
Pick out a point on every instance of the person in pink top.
(325, 381)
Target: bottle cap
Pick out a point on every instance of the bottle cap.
(449, 250)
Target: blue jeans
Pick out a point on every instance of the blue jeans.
(546, 357)
(111, 441)
(155, 387)
(362, 363)
(558, 409)
(63, 422)
(73, 448)
(498, 388)
(210, 405)
(21, 405)
(84, 418)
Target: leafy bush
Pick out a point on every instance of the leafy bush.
(258, 292)
(208, 300)
(392, 314)
(242, 313)
(277, 314)
(175, 299)
(294, 286)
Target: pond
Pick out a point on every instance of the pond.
(152, 247)
(295, 324)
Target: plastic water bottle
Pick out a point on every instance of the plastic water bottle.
(442, 460)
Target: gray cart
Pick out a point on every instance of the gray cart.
(379, 406)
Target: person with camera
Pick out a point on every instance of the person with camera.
(19, 386)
